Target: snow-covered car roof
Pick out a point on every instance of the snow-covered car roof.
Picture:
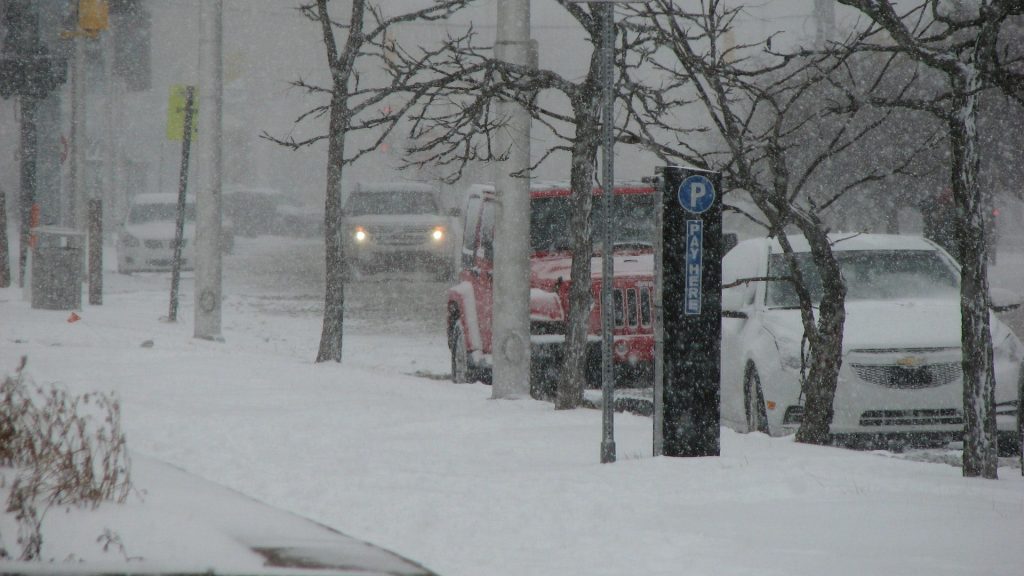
(549, 188)
(160, 198)
(234, 188)
(394, 187)
(843, 242)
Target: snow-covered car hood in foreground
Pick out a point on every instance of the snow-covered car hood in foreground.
(884, 324)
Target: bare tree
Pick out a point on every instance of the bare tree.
(964, 42)
(5, 262)
(456, 126)
(353, 107)
(776, 133)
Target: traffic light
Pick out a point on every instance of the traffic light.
(27, 68)
(93, 16)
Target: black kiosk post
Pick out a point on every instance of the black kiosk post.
(688, 294)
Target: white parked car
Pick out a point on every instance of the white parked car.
(901, 376)
(145, 241)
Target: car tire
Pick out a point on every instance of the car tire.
(753, 400)
(460, 356)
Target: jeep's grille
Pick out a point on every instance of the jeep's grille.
(632, 307)
(154, 244)
(400, 235)
(904, 377)
(911, 417)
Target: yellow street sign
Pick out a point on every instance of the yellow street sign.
(176, 111)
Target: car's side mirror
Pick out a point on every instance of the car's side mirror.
(736, 296)
(1003, 300)
(729, 240)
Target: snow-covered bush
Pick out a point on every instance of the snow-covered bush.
(62, 449)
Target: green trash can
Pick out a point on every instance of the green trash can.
(57, 268)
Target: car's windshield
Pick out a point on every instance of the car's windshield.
(165, 212)
(633, 220)
(390, 202)
(870, 275)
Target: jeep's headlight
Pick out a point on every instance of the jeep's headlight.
(437, 234)
(360, 235)
(130, 241)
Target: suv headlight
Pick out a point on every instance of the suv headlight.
(360, 235)
(130, 241)
(437, 234)
(789, 353)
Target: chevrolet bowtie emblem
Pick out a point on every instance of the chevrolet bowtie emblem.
(910, 361)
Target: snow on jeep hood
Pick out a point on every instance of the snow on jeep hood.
(551, 268)
(883, 324)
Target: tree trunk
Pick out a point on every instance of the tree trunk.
(826, 341)
(334, 243)
(584, 152)
(5, 255)
(980, 455)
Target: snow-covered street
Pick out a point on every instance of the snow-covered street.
(466, 485)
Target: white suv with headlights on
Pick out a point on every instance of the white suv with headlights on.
(901, 377)
(398, 226)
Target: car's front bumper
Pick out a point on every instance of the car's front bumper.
(144, 259)
(863, 409)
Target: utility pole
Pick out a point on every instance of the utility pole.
(92, 20)
(608, 241)
(208, 198)
(824, 22)
(511, 338)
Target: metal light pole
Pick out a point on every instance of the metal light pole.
(208, 199)
(511, 335)
(607, 241)
(607, 57)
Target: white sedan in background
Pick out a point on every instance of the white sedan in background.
(145, 241)
(901, 378)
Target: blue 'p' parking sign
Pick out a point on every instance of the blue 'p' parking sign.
(696, 194)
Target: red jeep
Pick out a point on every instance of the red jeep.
(470, 301)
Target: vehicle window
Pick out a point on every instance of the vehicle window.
(872, 275)
(549, 222)
(390, 202)
(631, 307)
(487, 230)
(469, 233)
(620, 319)
(645, 307)
(143, 213)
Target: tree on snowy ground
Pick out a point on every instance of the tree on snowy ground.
(776, 127)
(968, 44)
(5, 264)
(456, 126)
(374, 104)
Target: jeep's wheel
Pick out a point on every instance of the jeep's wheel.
(460, 358)
(757, 416)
